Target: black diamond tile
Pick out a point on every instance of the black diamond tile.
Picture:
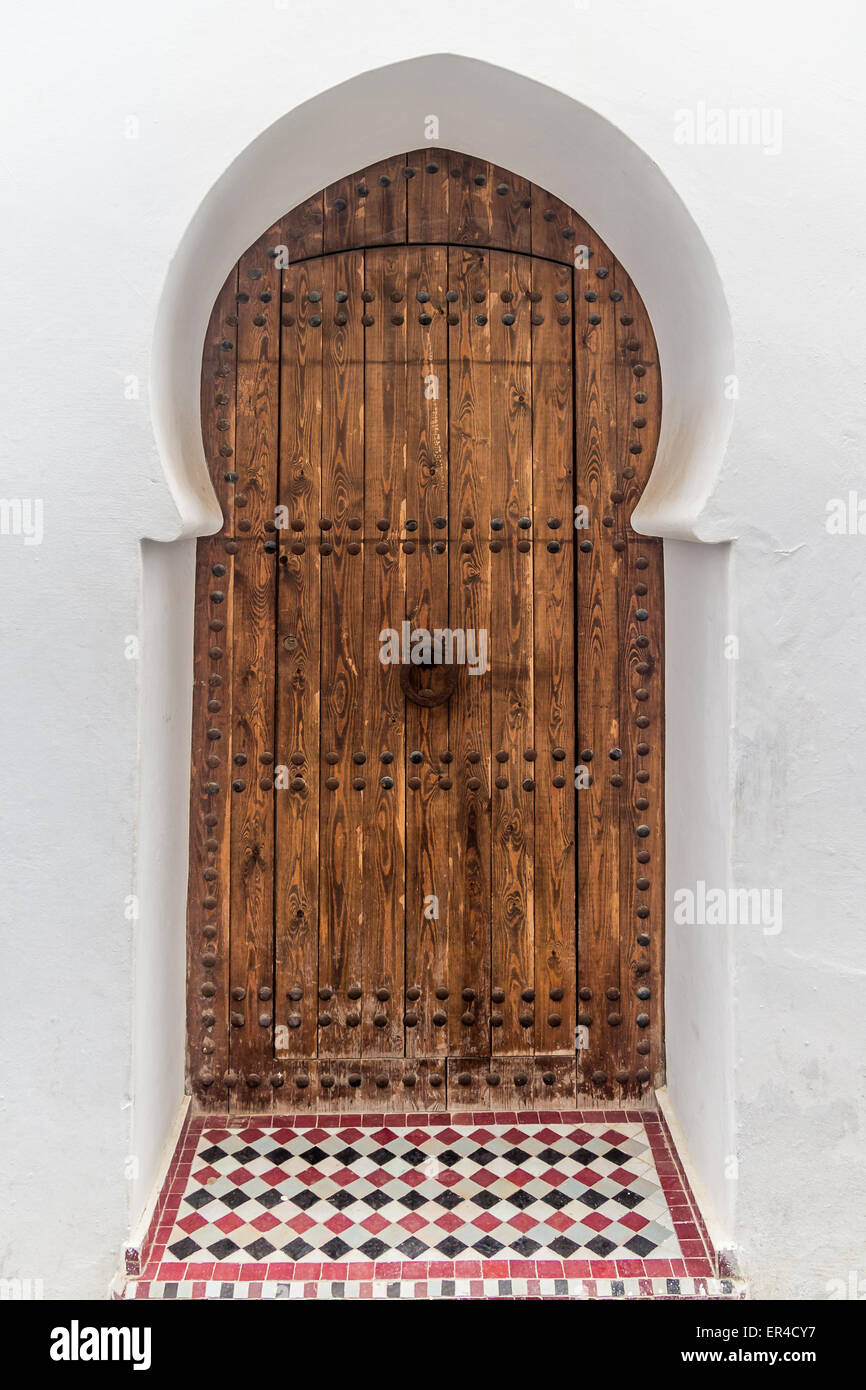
(584, 1156)
(260, 1248)
(276, 1156)
(211, 1155)
(639, 1245)
(484, 1199)
(382, 1156)
(628, 1199)
(222, 1248)
(551, 1156)
(556, 1198)
(482, 1156)
(200, 1198)
(347, 1156)
(412, 1247)
(414, 1157)
(246, 1155)
(592, 1199)
(525, 1247)
(616, 1156)
(450, 1246)
(488, 1247)
(270, 1199)
(516, 1156)
(448, 1199)
(342, 1199)
(184, 1248)
(313, 1155)
(413, 1200)
(599, 1246)
(373, 1248)
(520, 1199)
(564, 1247)
(448, 1157)
(304, 1199)
(376, 1199)
(297, 1248)
(235, 1198)
(335, 1249)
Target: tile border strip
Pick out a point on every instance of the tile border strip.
(457, 1288)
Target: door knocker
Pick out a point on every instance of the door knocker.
(428, 696)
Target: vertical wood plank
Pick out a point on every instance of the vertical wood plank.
(599, 678)
(384, 602)
(470, 576)
(298, 661)
(252, 803)
(511, 657)
(429, 804)
(342, 924)
(428, 196)
(553, 504)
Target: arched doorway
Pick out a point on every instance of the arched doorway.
(413, 385)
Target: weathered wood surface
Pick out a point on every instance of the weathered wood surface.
(395, 375)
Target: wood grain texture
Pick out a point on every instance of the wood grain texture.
(414, 364)
(341, 931)
(471, 559)
(384, 583)
(553, 661)
(429, 795)
(599, 676)
(367, 208)
(511, 658)
(298, 660)
(254, 606)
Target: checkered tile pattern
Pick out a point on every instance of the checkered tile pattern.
(551, 1204)
(492, 1191)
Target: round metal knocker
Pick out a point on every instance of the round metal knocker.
(428, 696)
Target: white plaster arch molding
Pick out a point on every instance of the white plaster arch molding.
(522, 125)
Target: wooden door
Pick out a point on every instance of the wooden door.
(430, 401)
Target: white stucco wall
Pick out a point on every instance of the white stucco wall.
(764, 790)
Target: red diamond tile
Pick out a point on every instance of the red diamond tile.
(375, 1223)
(230, 1222)
(239, 1176)
(633, 1221)
(588, 1177)
(449, 1222)
(412, 1222)
(300, 1223)
(193, 1222)
(338, 1223)
(486, 1222)
(596, 1221)
(274, 1178)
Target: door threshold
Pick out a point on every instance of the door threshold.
(576, 1204)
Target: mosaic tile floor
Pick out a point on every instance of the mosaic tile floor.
(561, 1204)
